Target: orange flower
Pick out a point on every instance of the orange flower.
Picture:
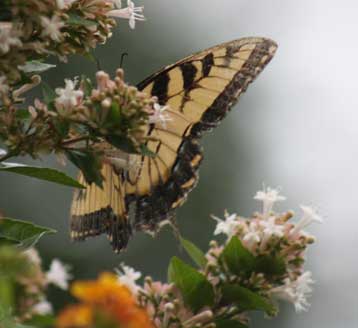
(75, 316)
(108, 297)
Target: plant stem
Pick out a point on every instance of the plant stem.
(71, 141)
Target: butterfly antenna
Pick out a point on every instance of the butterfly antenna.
(124, 54)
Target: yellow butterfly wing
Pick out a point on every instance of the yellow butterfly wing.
(199, 91)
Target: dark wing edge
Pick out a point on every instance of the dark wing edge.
(159, 206)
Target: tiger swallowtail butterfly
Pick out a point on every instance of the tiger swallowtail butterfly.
(198, 90)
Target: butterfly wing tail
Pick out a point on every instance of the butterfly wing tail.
(98, 210)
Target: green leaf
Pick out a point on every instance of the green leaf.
(48, 93)
(19, 325)
(25, 234)
(13, 262)
(114, 115)
(22, 114)
(7, 286)
(229, 323)
(194, 252)
(79, 21)
(41, 173)
(35, 66)
(238, 259)
(89, 163)
(7, 242)
(40, 321)
(196, 289)
(245, 299)
(122, 143)
(270, 265)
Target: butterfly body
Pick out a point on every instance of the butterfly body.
(199, 91)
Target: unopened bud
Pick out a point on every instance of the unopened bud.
(169, 307)
(106, 103)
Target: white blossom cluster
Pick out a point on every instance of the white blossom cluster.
(269, 232)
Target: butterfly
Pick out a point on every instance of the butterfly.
(199, 90)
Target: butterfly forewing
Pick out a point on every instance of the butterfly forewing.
(198, 90)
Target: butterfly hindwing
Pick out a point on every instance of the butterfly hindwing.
(98, 210)
(198, 90)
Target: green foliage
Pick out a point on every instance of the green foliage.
(241, 262)
(122, 143)
(12, 263)
(89, 163)
(196, 290)
(23, 234)
(42, 321)
(194, 252)
(7, 319)
(245, 299)
(41, 173)
(238, 259)
(270, 265)
(22, 114)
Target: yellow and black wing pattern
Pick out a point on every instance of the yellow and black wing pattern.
(198, 90)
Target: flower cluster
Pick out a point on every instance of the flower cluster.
(23, 274)
(81, 120)
(273, 245)
(104, 303)
(260, 262)
(34, 29)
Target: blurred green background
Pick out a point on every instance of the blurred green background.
(296, 127)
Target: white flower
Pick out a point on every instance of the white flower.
(159, 115)
(252, 237)
(33, 255)
(4, 88)
(68, 97)
(128, 277)
(269, 197)
(42, 308)
(58, 274)
(228, 226)
(309, 215)
(296, 291)
(64, 4)
(131, 12)
(271, 228)
(52, 27)
(7, 38)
